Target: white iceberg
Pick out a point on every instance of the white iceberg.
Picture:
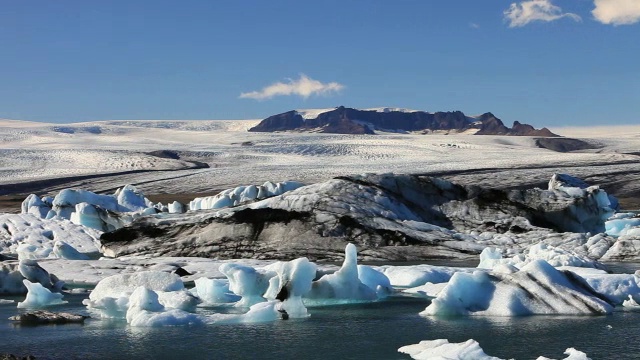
(247, 282)
(442, 349)
(344, 285)
(243, 194)
(214, 291)
(111, 295)
(38, 296)
(292, 282)
(145, 309)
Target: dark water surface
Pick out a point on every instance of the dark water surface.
(359, 331)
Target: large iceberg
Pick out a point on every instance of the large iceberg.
(111, 296)
(537, 288)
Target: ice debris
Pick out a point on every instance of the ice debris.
(469, 350)
(242, 194)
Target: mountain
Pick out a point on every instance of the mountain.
(343, 120)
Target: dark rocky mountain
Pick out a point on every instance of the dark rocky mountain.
(343, 120)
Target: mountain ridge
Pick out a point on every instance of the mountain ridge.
(344, 120)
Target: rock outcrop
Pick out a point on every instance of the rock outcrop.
(43, 317)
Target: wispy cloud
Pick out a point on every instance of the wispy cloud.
(617, 12)
(521, 14)
(303, 87)
(474, 26)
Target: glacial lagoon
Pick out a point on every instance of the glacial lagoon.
(354, 331)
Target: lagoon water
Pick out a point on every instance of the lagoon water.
(358, 331)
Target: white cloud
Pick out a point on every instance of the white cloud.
(474, 26)
(304, 87)
(535, 10)
(617, 12)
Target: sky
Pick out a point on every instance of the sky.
(542, 62)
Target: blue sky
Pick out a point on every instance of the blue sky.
(544, 62)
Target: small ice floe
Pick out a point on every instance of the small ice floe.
(442, 349)
(38, 296)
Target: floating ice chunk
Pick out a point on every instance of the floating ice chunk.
(38, 296)
(344, 284)
(627, 226)
(375, 280)
(412, 276)
(538, 288)
(442, 349)
(630, 302)
(427, 290)
(293, 281)
(87, 215)
(490, 257)
(111, 295)
(131, 199)
(63, 250)
(214, 291)
(145, 310)
(247, 282)
(572, 353)
(258, 313)
(175, 208)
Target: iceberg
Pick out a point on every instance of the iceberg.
(111, 295)
(38, 296)
(214, 291)
(145, 309)
(292, 282)
(344, 285)
(537, 288)
(243, 194)
(247, 282)
(442, 349)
